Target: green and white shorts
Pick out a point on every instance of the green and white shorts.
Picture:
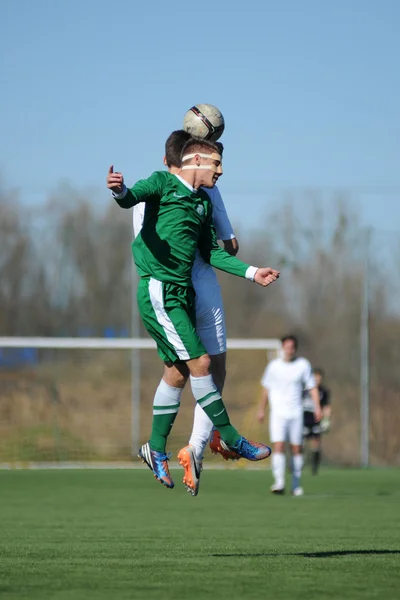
(168, 313)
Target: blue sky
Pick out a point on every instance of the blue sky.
(310, 93)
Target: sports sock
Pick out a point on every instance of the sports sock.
(202, 427)
(278, 463)
(207, 395)
(316, 459)
(297, 467)
(165, 408)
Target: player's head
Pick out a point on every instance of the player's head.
(318, 375)
(289, 346)
(203, 159)
(173, 148)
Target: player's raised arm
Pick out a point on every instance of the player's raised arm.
(115, 181)
(144, 190)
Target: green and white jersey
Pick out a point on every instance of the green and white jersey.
(177, 221)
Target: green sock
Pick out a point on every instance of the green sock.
(165, 408)
(216, 411)
(160, 430)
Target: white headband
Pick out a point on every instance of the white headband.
(205, 167)
(213, 156)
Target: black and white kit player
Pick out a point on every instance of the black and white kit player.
(313, 429)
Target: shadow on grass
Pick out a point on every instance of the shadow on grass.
(328, 554)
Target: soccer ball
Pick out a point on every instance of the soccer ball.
(204, 121)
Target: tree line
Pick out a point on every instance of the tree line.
(66, 270)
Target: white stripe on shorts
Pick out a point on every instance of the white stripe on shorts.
(157, 302)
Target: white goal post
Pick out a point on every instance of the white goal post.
(271, 346)
(68, 343)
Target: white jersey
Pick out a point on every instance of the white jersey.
(202, 274)
(286, 382)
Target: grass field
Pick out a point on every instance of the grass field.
(118, 534)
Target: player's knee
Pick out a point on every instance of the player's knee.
(175, 375)
(279, 447)
(204, 364)
(315, 444)
(180, 379)
(200, 367)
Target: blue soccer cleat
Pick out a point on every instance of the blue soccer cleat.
(251, 450)
(158, 463)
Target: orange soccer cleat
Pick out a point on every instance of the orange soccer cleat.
(192, 467)
(218, 446)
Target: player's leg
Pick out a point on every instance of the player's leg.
(308, 422)
(191, 456)
(167, 397)
(207, 395)
(296, 427)
(166, 403)
(218, 371)
(312, 432)
(203, 430)
(202, 424)
(277, 434)
(315, 447)
(165, 311)
(210, 327)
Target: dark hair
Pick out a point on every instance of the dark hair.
(319, 372)
(220, 147)
(293, 338)
(196, 144)
(173, 147)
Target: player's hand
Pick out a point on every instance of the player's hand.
(260, 416)
(317, 415)
(265, 276)
(115, 181)
(325, 424)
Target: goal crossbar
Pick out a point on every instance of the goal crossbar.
(123, 343)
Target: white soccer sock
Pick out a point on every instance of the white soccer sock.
(278, 468)
(201, 431)
(204, 390)
(297, 467)
(166, 399)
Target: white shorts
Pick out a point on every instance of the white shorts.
(286, 429)
(210, 319)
